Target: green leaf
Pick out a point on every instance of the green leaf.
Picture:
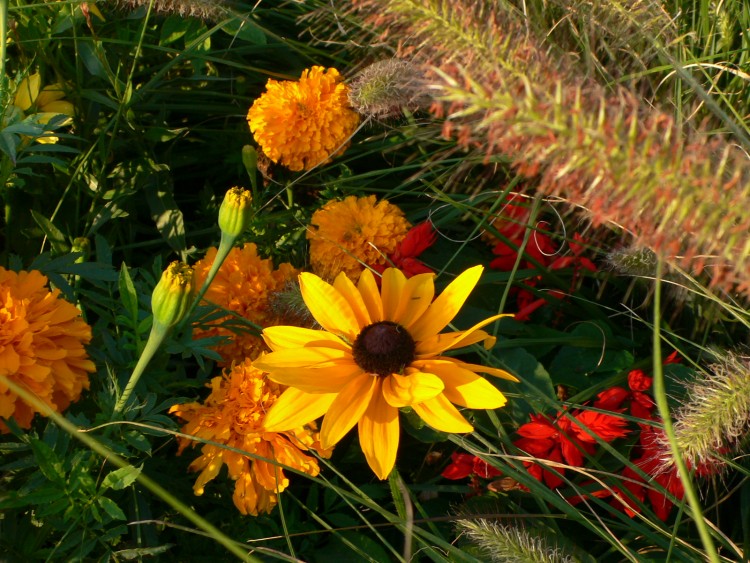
(121, 478)
(128, 295)
(48, 462)
(534, 387)
(56, 237)
(110, 507)
(246, 30)
(138, 553)
(165, 213)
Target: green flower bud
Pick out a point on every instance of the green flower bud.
(172, 295)
(235, 212)
(82, 245)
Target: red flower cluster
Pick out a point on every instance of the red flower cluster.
(418, 239)
(539, 251)
(572, 436)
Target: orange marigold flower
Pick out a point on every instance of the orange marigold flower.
(233, 414)
(42, 339)
(301, 124)
(243, 285)
(346, 235)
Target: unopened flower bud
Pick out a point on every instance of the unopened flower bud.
(82, 245)
(172, 295)
(235, 212)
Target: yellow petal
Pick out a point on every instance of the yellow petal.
(368, 288)
(350, 292)
(451, 340)
(415, 299)
(326, 379)
(379, 434)
(442, 415)
(300, 357)
(328, 306)
(392, 289)
(346, 410)
(406, 390)
(59, 107)
(497, 372)
(49, 94)
(27, 91)
(467, 389)
(295, 408)
(283, 337)
(446, 306)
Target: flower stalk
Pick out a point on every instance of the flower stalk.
(169, 304)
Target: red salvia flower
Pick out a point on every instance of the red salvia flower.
(418, 239)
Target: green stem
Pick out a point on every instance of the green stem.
(155, 338)
(116, 460)
(660, 397)
(225, 247)
(3, 35)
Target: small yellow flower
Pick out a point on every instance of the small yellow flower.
(45, 103)
(302, 124)
(172, 295)
(42, 339)
(235, 212)
(347, 235)
(379, 351)
(233, 415)
(244, 285)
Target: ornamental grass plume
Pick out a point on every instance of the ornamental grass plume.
(233, 415)
(302, 124)
(503, 543)
(243, 286)
(349, 235)
(212, 10)
(378, 351)
(385, 88)
(716, 413)
(42, 346)
(603, 150)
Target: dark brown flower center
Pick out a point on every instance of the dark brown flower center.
(383, 348)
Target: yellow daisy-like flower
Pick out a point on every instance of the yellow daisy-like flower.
(301, 124)
(379, 351)
(346, 235)
(46, 102)
(233, 414)
(243, 285)
(42, 339)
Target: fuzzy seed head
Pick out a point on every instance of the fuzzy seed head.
(384, 88)
(211, 10)
(716, 414)
(503, 543)
(633, 261)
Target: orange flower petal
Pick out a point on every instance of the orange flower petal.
(350, 292)
(283, 337)
(368, 288)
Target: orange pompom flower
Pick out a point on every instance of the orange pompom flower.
(302, 124)
(243, 285)
(347, 235)
(233, 414)
(42, 339)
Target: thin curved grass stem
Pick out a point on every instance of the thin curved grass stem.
(660, 397)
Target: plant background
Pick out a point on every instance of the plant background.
(161, 91)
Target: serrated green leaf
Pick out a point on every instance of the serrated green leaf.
(121, 478)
